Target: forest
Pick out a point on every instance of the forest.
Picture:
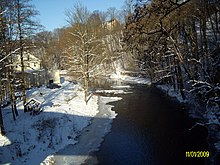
(177, 43)
(171, 42)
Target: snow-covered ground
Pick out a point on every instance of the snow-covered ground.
(138, 80)
(91, 137)
(67, 130)
(30, 139)
(34, 139)
(130, 79)
(171, 92)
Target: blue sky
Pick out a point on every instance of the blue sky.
(52, 12)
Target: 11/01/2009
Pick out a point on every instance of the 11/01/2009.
(197, 154)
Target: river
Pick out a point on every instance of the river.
(150, 128)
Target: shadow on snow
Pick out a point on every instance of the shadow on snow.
(48, 134)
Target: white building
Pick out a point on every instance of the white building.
(35, 76)
(31, 63)
(110, 25)
(54, 76)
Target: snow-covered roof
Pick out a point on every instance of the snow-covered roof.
(34, 99)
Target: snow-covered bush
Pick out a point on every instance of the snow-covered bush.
(46, 129)
(206, 94)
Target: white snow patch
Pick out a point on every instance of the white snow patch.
(91, 138)
(112, 91)
(121, 87)
(120, 74)
(136, 80)
(106, 100)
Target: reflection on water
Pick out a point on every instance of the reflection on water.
(149, 129)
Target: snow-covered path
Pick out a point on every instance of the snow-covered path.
(91, 137)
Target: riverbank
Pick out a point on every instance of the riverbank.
(90, 137)
(31, 138)
(67, 130)
(207, 116)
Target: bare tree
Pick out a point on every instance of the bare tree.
(7, 33)
(16, 26)
(127, 9)
(79, 14)
(84, 47)
(25, 27)
(1, 121)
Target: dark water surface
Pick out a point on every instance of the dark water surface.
(150, 129)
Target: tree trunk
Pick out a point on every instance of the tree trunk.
(181, 83)
(86, 86)
(21, 56)
(204, 39)
(11, 99)
(86, 77)
(1, 118)
(1, 121)
(14, 99)
(195, 48)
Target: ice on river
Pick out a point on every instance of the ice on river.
(91, 137)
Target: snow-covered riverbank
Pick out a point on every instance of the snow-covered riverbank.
(66, 121)
(30, 139)
(91, 137)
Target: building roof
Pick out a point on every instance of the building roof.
(38, 100)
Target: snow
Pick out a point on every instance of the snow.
(137, 80)
(66, 131)
(130, 79)
(171, 92)
(121, 86)
(30, 139)
(120, 74)
(91, 138)
(119, 91)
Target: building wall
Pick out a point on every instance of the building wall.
(36, 78)
(30, 62)
(110, 25)
(55, 76)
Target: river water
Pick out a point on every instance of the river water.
(150, 128)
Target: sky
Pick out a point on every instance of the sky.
(52, 12)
